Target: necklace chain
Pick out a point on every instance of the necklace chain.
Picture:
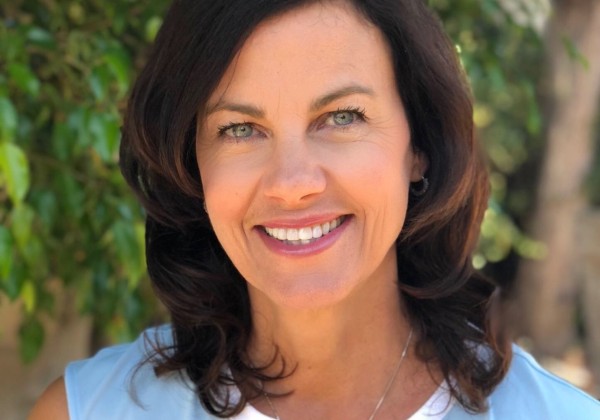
(383, 395)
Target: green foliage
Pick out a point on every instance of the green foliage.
(65, 212)
(574, 53)
(501, 53)
(15, 171)
(32, 339)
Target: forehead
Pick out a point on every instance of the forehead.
(309, 20)
(314, 47)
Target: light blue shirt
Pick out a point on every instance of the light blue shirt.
(104, 387)
(530, 392)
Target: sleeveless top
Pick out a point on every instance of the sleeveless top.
(114, 385)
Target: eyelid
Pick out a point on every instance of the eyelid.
(359, 112)
(222, 129)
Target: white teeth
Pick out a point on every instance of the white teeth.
(281, 234)
(292, 234)
(317, 232)
(304, 235)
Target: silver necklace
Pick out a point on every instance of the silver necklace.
(381, 399)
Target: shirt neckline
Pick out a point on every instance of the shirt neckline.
(435, 408)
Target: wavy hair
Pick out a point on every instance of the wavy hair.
(450, 304)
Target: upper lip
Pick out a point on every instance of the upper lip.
(300, 222)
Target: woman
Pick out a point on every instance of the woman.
(314, 194)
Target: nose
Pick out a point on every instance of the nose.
(294, 174)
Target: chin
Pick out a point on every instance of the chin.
(306, 292)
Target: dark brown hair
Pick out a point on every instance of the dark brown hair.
(446, 300)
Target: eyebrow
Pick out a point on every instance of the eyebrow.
(320, 102)
(247, 109)
(326, 99)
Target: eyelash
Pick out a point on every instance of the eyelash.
(359, 112)
(223, 128)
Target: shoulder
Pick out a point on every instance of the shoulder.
(52, 405)
(119, 382)
(541, 393)
(528, 391)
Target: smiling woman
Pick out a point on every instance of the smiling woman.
(289, 149)
(314, 193)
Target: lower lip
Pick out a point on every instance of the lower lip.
(312, 248)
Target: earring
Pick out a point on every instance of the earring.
(421, 189)
(204, 206)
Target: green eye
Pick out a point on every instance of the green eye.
(237, 130)
(241, 130)
(343, 117)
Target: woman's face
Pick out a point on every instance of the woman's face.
(305, 158)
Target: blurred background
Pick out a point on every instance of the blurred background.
(72, 268)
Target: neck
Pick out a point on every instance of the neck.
(356, 342)
(339, 358)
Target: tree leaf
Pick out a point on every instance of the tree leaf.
(41, 37)
(24, 78)
(105, 135)
(6, 255)
(575, 53)
(22, 220)
(13, 282)
(32, 339)
(72, 196)
(33, 254)
(28, 296)
(100, 82)
(62, 141)
(15, 171)
(129, 250)
(534, 115)
(119, 63)
(78, 121)
(45, 205)
(152, 26)
(12, 44)
(8, 119)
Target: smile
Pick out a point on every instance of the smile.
(305, 235)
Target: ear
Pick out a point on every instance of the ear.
(419, 166)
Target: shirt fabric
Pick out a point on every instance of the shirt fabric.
(115, 385)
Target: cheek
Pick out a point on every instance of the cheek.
(376, 171)
(225, 194)
(379, 180)
(224, 197)
(227, 182)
